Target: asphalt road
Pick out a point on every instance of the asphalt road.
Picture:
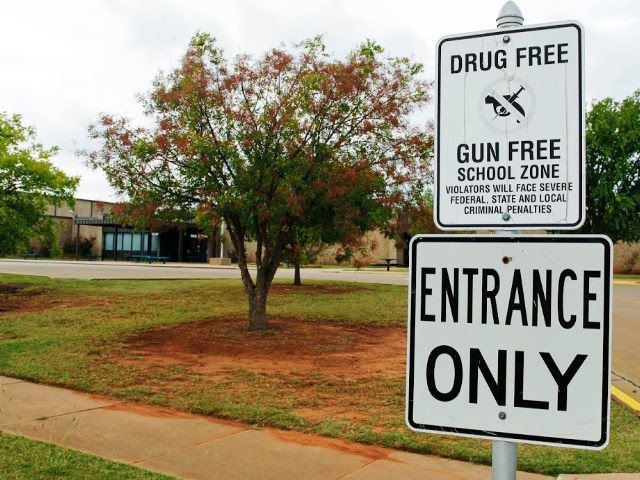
(131, 270)
(626, 299)
(625, 363)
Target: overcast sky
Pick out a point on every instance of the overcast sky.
(64, 61)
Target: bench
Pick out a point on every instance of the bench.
(148, 258)
(31, 255)
(137, 258)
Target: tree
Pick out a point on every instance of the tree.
(340, 209)
(261, 142)
(413, 216)
(613, 168)
(29, 185)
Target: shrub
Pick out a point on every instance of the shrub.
(85, 246)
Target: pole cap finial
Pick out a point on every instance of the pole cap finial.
(509, 16)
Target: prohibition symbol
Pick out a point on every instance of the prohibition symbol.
(505, 105)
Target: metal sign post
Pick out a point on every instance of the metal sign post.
(504, 460)
(509, 335)
(504, 455)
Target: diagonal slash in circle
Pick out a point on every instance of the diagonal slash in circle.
(507, 105)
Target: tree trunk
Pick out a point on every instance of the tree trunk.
(297, 260)
(258, 307)
(267, 262)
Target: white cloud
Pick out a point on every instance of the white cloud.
(64, 62)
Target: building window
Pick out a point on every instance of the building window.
(108, 241)
(124, 242)
(132, 242)
(137, 242)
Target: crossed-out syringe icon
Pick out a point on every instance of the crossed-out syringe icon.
(502, 108)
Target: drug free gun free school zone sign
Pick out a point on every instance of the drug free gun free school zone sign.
(509, 130)
(509, 338)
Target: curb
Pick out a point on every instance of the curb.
(625, 400)
(124, 263)
(627, 282)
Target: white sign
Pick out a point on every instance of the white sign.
(510, 338)
(510, 122)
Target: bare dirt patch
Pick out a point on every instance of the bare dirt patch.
(15, 296)
(328, 371)
(289, 346)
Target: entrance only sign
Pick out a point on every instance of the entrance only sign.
(510, 338)
(510, 123)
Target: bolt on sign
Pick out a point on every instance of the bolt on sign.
(510, 338)
(510, 123)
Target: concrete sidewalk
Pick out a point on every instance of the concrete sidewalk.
(197, 447)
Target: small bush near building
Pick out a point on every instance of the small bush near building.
(85, 246)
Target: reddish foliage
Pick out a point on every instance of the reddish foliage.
(288, 146)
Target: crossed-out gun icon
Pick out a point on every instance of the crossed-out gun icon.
(499, 109)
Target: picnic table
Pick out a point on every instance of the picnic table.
(387, 263)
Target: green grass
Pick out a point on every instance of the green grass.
(72, 331)
(22, 459)
(626, 276)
